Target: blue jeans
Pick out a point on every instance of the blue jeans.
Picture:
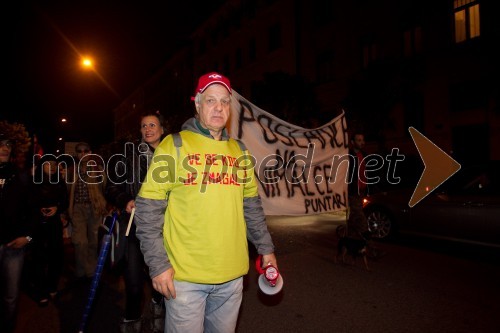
(11, 268)
(209, 308)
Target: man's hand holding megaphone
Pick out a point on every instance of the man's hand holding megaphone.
(270, 280)
(268, 259)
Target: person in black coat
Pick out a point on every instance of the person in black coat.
(15, 231)
(50, 199)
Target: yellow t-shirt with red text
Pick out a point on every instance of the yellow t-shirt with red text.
(204, 231)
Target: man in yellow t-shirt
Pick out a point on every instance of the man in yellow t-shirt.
(194, 213)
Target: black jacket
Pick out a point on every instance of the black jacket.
(49, 192)
(15, 203)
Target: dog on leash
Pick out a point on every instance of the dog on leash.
(354, 247)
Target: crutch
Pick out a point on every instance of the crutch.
(106, 240)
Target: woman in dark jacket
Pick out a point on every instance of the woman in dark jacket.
(50, 198)
(121, 191)
(15, 231)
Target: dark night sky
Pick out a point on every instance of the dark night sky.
(128, 39)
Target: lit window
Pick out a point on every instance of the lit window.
(474, 21)
(460, 35)
(467, 20)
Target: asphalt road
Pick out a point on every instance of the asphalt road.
(414, 286)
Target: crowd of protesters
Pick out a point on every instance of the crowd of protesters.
(194, 245)
(68, 197)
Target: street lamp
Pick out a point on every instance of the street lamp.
(87, 63)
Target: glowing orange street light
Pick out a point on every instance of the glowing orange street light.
(87, 63)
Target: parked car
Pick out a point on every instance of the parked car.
(466, 208)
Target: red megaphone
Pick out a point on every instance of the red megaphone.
(270, 280)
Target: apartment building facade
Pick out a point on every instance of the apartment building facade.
(387, 64)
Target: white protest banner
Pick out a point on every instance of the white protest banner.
(300, 171)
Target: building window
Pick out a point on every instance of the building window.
(274, 37)
(412, 41)
(467, 22)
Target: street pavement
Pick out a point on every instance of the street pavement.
(407, 290)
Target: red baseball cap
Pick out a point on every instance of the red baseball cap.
(210, 78)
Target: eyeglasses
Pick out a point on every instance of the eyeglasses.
(79, 151)
(6, 143)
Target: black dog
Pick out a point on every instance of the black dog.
(354, 247)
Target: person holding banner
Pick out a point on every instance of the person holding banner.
(121, 192)
(194, 213)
